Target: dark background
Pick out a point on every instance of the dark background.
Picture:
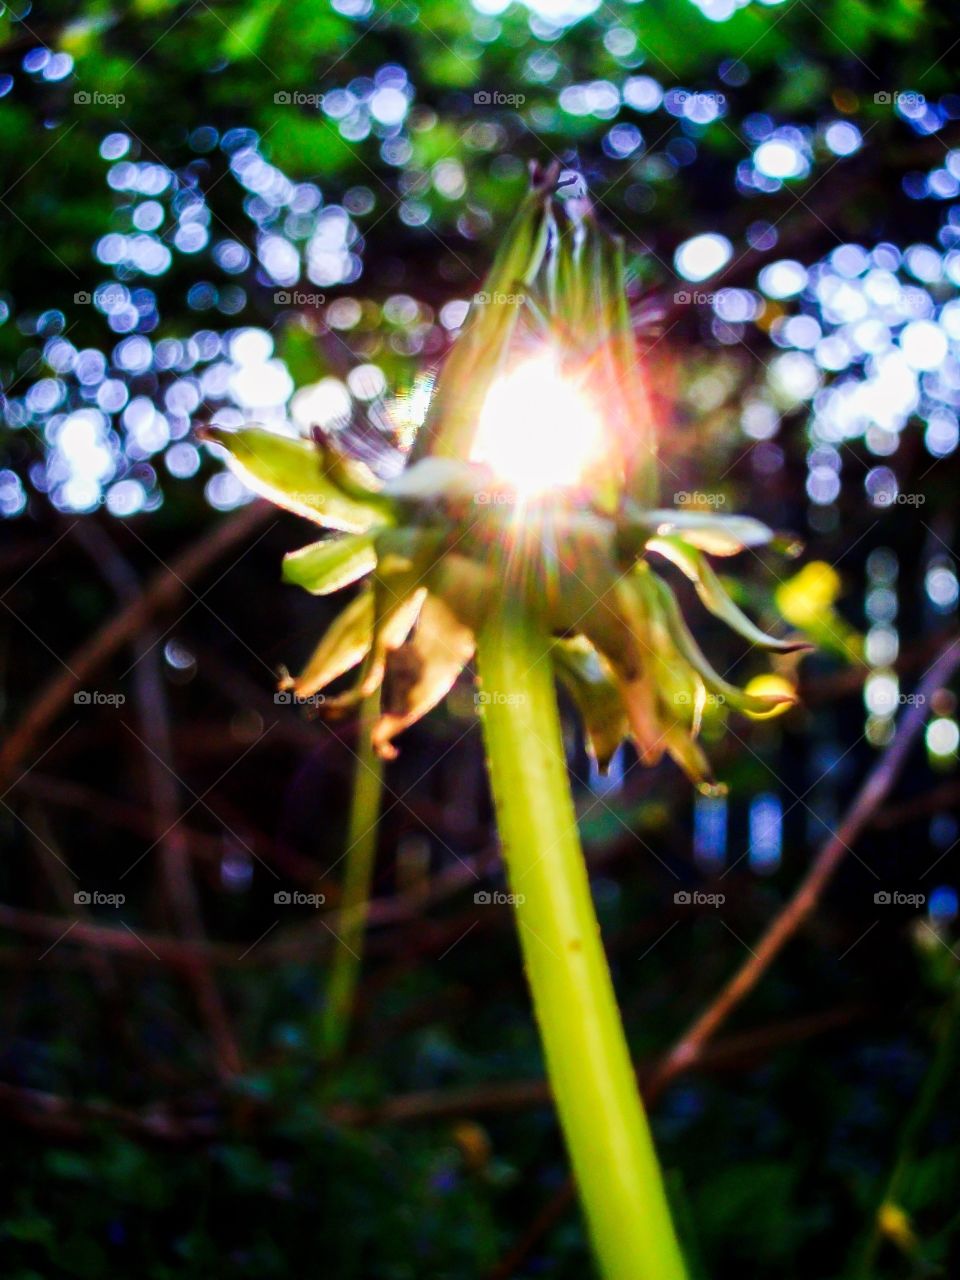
(159, 1065)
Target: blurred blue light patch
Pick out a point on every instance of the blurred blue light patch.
(766, 833)
(710, 830)
(944, 904)
(611, 782)
(843, 138)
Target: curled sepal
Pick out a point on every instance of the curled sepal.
(295, 475)
(404, 558)
(617, 627)
(421, 672)
(694, 565)
(664, 702)
(753, 704)
(681, 692)
(717, 535)
(588, 680)
(326, 566)
(346, 643)
(690, 756)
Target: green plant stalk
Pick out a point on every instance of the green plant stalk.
(588, 1063)
(361, 856)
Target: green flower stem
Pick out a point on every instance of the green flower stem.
(361, 856)
(587, 1059)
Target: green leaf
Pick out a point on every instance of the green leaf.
(326, 566)
(422, 671)
(292, 473)
(693, 564)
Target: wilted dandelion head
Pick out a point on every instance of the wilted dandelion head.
(534, 476)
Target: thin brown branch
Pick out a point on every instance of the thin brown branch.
(63, 885)
(518, 1095)
(64, 1118)
(164, 789)
(938, 799)
(114, 812)
(394, 910)
(781, 929)
(148, 948)
(162, 593)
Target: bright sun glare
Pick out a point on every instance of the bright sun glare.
(538, 429)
